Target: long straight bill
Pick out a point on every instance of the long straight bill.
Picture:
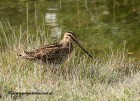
(82, 47)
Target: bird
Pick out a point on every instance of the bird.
(56, 53)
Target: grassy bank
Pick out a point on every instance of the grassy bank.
(109, 76)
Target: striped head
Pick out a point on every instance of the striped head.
(71, 36)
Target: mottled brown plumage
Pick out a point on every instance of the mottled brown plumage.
(55, 53)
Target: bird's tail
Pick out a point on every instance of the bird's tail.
(27, 55)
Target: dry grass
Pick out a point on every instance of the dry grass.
(109, 77)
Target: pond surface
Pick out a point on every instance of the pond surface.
(99, 24)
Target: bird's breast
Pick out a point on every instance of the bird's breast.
(59, 56)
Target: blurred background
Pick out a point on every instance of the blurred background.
(99, 24)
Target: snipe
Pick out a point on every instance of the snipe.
(55, 53)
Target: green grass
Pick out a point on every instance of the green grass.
(111, 76)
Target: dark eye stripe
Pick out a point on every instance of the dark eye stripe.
(72, 33)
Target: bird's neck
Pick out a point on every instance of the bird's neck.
(66, 42)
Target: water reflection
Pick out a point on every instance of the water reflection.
(52, 21)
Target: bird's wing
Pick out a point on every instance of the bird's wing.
(46, 51)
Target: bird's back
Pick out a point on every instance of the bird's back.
(52, 54)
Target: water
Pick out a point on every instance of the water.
(99, 24)
(51, 20)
